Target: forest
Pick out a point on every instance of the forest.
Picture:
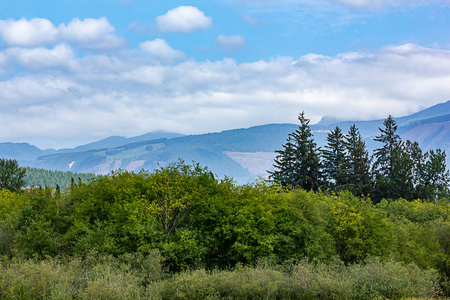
(36, 177)
(179, 232)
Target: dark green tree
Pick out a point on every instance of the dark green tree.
(358, 171)
(434, 178)
(335, 160)
(298, 164)
(392, 165)
(11, 175)
(385, 156)
(284, 163)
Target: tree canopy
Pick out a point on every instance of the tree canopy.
(11, 175)
(298, 163)
(400, 169)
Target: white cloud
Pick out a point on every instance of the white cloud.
(184, 19)
(159, 49)
(123, 94)
(87, 33)
(230, 43)
(61, 56)
(24, 33)
(90, 33)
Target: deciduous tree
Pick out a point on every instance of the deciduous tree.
(11, 175)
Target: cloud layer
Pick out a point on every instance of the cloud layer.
(62, 96)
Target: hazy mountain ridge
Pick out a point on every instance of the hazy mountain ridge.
(238, 153)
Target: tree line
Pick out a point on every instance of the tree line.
(37, 177)
(397, 169)
(188, 220)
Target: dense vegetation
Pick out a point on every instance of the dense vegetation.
(179, 233)
(397, 169)
(47, 178)
(313, 232)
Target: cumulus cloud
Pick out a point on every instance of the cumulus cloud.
(184, 19)
(88, 33)
(230, 43)
(26, 33)
(121, 95)
(61, 56)
(159, 49)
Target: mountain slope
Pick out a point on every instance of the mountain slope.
(116, 141)
(239, 153)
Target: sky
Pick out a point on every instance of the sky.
(76, 71)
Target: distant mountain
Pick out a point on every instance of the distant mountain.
(214, 150)
(116, 141)
(22, 151)
(240, 153)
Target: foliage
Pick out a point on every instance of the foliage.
(336, 165)
(11, 175)
(358, 178)
(298, 164)
(399, 170)
(107, 277)
(180, 228)
(47, 178)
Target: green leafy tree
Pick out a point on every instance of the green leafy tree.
(298, 163)
(11, 175)
(335, 159)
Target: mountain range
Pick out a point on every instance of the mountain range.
(242, 154)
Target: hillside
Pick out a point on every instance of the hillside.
(240, 153)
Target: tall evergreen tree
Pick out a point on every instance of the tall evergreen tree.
(416, 167)
(284, 163)
(393, 167)
(358, 172)
(385, 156)
(434, 178)
(335, 162)
(298, 164)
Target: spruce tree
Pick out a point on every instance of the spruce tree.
(284, 163)
(298, 164)
(335, 160)
(384, 156)
(434, 178)
(358, 172)
(391, 170)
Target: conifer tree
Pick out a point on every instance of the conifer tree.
(391, 170)
(358, 172)
(384, 156)
(434, 178)
(284, 163)
(335, 159)
(298, 164)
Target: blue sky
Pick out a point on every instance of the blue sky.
(73, 72)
